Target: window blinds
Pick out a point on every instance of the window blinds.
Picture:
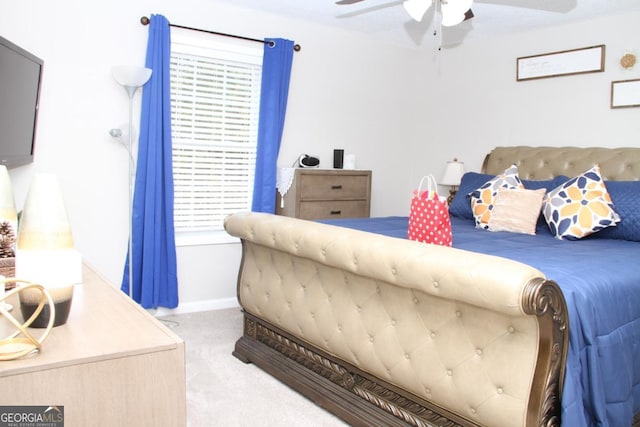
(215, 105)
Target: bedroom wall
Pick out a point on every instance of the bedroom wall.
(402, 112)
(480, 104)
(346, 92)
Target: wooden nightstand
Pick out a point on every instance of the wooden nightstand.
(327, 193)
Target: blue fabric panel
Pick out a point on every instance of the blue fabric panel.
(276, 74)
(600, 281)
(155, 277)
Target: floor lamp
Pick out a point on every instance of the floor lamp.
(131, 79)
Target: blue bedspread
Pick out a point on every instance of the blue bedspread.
(600, 279)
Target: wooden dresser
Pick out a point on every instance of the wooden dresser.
(111, 364)
(327, 193)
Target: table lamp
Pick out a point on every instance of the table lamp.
(452, 176)
(45, 253)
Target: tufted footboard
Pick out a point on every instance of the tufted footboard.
(385, 331)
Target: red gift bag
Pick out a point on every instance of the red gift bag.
(429, 220)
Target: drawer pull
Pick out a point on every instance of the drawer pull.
(336, 187)
(336, 212)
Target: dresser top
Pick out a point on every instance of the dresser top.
(328, 171)
(104, 323)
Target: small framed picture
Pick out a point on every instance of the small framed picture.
(625, 93)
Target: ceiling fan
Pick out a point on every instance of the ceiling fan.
(452, 12)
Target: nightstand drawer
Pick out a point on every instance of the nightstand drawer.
(326, 193)
(334, 209)
(333, 187)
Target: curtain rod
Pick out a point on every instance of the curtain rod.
(145, 21)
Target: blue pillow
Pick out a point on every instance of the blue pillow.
(471, 181)
(548, 184)
(625, 196)
(461, 203)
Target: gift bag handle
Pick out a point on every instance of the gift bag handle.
(431, 180)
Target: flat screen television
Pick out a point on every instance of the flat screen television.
(20, 81)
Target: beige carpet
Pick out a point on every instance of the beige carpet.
(223, 391)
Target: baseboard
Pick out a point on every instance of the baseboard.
(193, 307)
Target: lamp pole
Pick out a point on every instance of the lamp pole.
(131, 91)
(131, 79)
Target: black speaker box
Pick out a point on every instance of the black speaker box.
(338, 159)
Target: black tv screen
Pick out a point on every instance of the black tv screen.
(20, 79)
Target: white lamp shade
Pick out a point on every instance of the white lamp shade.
(131, 76)
(449, 19)
(453, 173)
(456, 7)
(45, 252)
(51, 269)
(453, 11)
(44, 223)
(417, 8)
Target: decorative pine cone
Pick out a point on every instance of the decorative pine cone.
(7, 240)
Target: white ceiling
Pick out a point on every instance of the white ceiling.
(386, 19)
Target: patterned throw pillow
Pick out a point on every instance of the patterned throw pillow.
(482, 199)
(579, 207)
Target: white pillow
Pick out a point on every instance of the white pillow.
(516, 210)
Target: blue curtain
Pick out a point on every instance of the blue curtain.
(276, 73)
(155, 280)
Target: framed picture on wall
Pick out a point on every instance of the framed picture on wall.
(625, 93)
(563, 63)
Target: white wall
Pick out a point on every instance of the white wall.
(483, 106)
(402, 112)
(346, 92)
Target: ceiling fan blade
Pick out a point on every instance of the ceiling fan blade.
(368, 9)
(563, 6)
(468, 15)
(348, 1)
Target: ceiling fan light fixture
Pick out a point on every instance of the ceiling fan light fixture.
(449, 20)
(417, 8)
(454, 11)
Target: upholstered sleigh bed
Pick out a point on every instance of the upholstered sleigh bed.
(384, 331)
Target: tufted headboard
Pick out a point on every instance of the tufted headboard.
(616, 164)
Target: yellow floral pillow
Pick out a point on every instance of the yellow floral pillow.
(579, 207)
(482, 200)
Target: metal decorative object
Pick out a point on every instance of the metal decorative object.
(21, 342)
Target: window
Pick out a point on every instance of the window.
(215, 100)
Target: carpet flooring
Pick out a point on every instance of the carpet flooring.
(223, 391)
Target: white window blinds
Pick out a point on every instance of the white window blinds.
(214, 116)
